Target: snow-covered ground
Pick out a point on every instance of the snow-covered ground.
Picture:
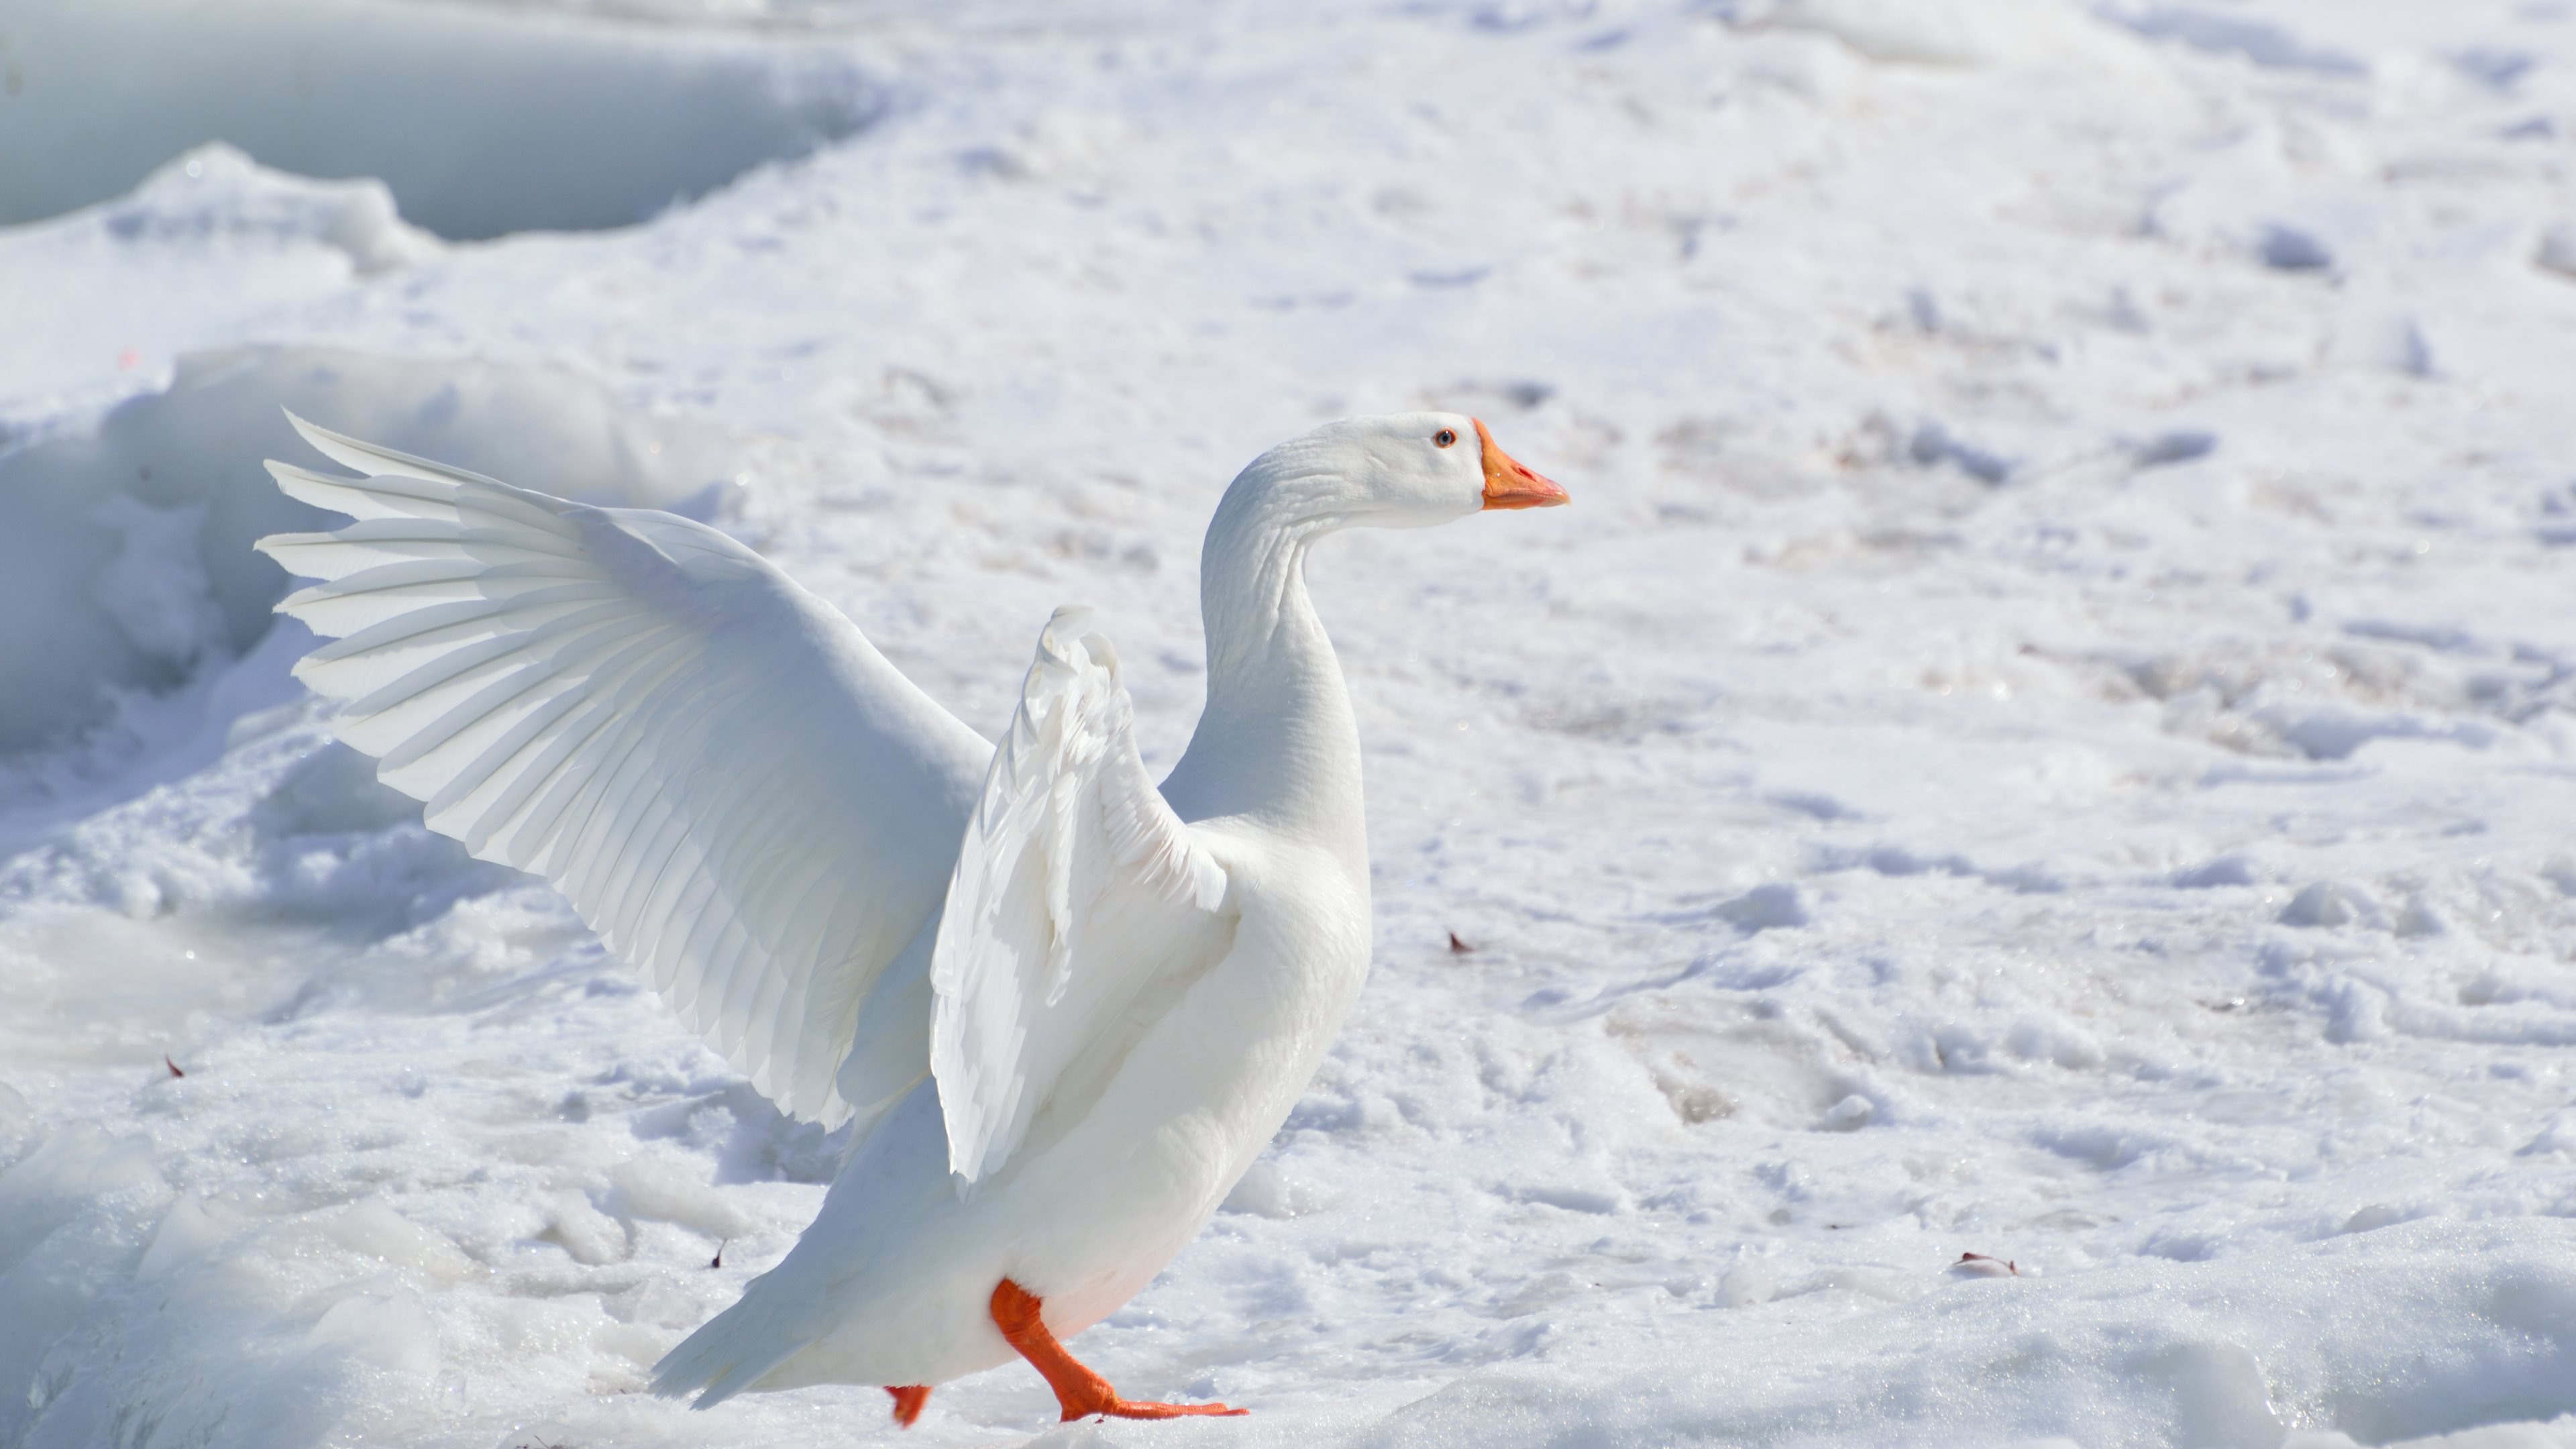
(2049, 732)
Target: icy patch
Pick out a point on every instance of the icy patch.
(482, 120)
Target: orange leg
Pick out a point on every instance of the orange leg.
(908, 1401)
(1081, 1392)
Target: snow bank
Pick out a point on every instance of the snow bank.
(207, 241)
(482, 121)
(126, 564)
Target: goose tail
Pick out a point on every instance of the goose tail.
(729, 1353)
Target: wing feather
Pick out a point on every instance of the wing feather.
(733, 788)
(1076, 891)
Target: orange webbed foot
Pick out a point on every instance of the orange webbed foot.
(1148, 1409)
(908, 1401)
(1080, 1392)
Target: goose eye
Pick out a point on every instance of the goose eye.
(1444, 437)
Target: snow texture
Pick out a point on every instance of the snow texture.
(2049, 731)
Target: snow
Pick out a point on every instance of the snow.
(481, 121)
(2046, 733)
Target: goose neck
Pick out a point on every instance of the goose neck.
(1263, 638)
(1277, 738)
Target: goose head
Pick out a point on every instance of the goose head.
(1403, 470)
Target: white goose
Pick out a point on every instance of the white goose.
(1063, 1040)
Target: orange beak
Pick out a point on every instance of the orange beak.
(1510, 485)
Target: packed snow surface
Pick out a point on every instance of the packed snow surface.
(2049, 731)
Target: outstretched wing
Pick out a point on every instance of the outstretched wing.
(1078, 892)
(730, 784)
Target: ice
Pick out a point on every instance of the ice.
(2044, 735)
(480, 121)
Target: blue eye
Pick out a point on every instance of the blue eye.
(1443, 438)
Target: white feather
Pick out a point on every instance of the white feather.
(1075, 888)
(728, 782)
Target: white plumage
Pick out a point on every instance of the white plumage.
(1073, 867)
(1064, 1009)
(718, 770)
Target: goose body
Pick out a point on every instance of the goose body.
(1064, 1009)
